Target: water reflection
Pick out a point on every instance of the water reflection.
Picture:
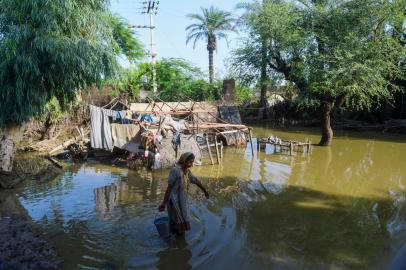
(339, 208)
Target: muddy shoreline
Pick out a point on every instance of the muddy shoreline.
(23, 245)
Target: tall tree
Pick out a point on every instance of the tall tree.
(211, 25)
(253, 12)
(48, 49)
(337, 53)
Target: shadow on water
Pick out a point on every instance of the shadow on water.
(304, 229)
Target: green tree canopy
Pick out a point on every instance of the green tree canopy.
(211, 25)
(127, 43)
(51, 48)
(177, 80)
(337, 53)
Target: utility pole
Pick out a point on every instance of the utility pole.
(151, 8)
(152, 12)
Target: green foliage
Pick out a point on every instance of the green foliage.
(211, 25)
(127, 43)
(243, 94)
(129, 83)
(52, 112)
(351, 51)
(49, 49)
(177, 80)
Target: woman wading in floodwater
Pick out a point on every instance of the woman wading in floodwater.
(176, 194)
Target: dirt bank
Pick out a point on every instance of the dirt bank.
(22, 244)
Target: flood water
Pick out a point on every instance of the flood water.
(342, 207)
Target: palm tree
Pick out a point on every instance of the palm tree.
(210, 26)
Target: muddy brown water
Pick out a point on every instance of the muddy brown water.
(341, 207)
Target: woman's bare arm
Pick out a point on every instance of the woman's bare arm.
(200, 185)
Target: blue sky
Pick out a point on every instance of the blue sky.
(170, 34)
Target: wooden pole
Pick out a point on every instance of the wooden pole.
(258, 142)
(197, 121)
(217, 150)
(291, 148)
(208, 149)
(221, 150)
(252, 146)
(159, 127)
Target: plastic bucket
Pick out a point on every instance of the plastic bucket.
(162, 226)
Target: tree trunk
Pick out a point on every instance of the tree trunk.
(211, 67)
(326, 131)
(264, 78)
(7, 149)
(49, 130)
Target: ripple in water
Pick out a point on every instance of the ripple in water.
(103, 220)
(339, 208)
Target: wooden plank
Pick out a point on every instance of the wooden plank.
(217, 150)
(221, 150)
(208, 149)
(234, 131)
(219, 125)
(252, 147)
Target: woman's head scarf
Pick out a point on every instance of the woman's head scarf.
(186, 157)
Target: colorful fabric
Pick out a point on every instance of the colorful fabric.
(147, 118)
(123, 119)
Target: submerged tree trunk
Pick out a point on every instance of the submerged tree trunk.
(211, 67)
(326, 131)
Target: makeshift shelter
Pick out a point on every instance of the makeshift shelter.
(161, 131)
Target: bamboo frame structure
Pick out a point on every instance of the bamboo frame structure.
(290, 146)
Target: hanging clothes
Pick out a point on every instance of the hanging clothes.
(176, 141)
(123, 119)
(147, 118)
(126, 137)
(100, 129)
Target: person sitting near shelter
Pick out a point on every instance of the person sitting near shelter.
(176, 194)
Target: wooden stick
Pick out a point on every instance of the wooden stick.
(208, 149)
(217, 150)
(111, 101)
(160, 123)
(233, 131)
(291, 148)
(252, 147)
(54, 162)
(197, 122)
(221, 150)
(219, 125)
(258, 142)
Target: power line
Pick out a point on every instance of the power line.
(151, 8)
